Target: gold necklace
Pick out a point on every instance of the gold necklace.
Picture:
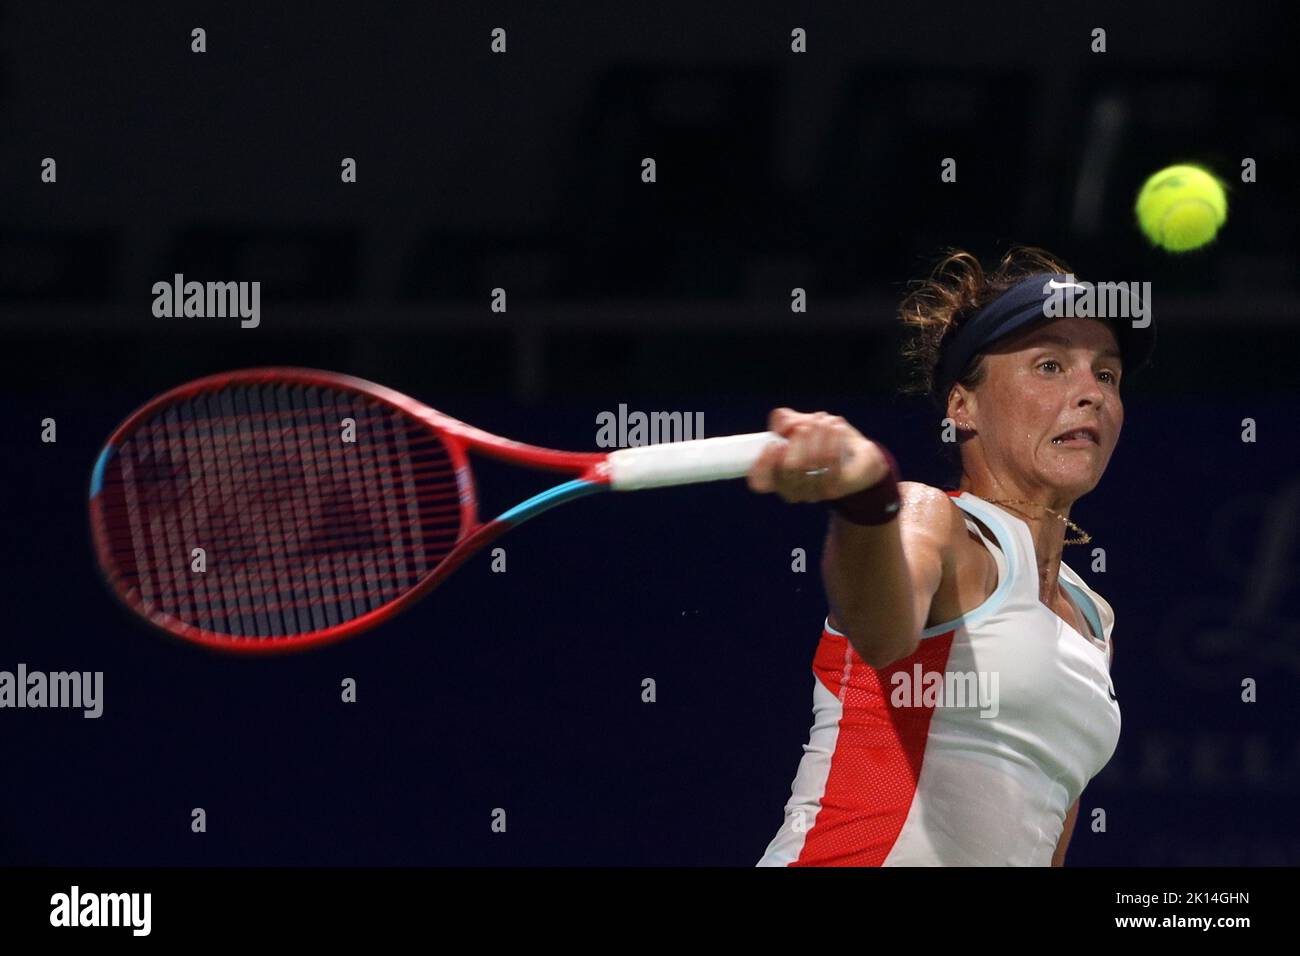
(1020, 501)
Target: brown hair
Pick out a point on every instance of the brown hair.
(959, 287)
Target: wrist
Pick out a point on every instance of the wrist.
(874, 505)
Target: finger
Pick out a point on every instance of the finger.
(780, 419)
(817, 474)
(844, 446)
(823, 445)
(796, 482)
(836, 442)
(761, 476)
(796, 452)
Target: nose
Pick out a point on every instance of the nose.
(1089, 392)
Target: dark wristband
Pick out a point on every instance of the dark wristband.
(875, 505)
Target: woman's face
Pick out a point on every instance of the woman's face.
(1043, 382)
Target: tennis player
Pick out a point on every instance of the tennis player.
(962, 696)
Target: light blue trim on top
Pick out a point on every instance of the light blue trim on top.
(1006, 541)
(97, 476)
(549, 499)
(1085, 604)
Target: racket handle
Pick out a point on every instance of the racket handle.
(686, 462)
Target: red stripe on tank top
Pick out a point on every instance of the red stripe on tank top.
(878, 753)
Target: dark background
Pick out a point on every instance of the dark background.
(522, 690)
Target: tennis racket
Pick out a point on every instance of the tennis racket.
(275, 509)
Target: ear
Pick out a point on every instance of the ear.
(961, 405)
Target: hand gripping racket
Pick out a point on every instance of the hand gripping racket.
(274, 509)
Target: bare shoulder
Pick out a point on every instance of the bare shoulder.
(930, 512)
(934, 530)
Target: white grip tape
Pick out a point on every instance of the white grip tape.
(686, 462)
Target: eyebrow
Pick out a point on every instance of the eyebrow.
(1062, 340)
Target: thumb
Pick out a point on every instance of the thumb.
(780, 418)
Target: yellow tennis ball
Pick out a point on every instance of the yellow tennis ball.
(1181, 208)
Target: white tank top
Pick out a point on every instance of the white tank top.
(971, 751)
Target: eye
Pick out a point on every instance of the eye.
(1050, 362)
(1114, 379)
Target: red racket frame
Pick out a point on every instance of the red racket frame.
(460, 439)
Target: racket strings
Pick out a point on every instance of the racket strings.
(427, 456)
(301, 530)
(441, 513)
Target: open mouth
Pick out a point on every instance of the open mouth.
(1078, 437)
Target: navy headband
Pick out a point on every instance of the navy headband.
(1023, 303)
